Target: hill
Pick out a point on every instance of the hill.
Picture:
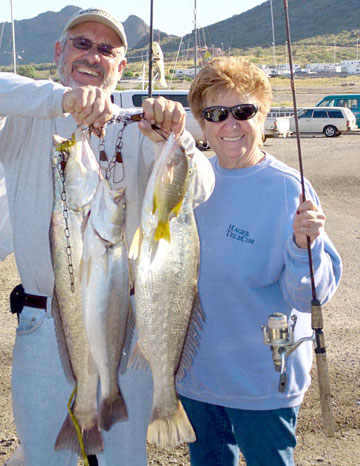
(323, 23)
(35, 37)
(253, 28)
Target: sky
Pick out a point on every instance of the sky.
(170, 16)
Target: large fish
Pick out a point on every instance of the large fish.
(106, 305)
(165, 291)
(70, 206)
(158, 58)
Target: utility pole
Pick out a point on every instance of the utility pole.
(13, 37)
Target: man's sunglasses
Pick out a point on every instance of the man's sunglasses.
(106, 50)
(215, 114)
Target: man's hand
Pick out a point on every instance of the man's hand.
(309, 221)
(88, 105)
(166, 114)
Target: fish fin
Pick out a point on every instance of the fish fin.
(130, 326)
(61, 341)
(155, 206)
(67, 439)
(177, 208)
(131, 276)
(112, 410)
(153, 247)
(92, 366)
(162, 231)
(191, 339)
(134, 250)
(138, 360)
(171, 431)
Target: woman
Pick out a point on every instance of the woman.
(254, 262)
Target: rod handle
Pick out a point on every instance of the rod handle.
(325, 396)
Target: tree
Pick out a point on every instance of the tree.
(27, 70)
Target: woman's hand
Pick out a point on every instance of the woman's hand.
(309, 221)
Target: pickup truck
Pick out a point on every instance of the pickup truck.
(134, 98)
(277, 125)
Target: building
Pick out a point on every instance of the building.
(350, 66)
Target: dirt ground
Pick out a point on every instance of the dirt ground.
(333, 167)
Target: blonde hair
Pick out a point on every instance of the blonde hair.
(224, 74)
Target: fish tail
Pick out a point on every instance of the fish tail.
(112, 410)
(162, 231)
(67, 439)
(171, 431)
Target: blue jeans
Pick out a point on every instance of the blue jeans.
(265, 438)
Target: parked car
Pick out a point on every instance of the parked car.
(351, 101)
(134, 98)
(330, 121)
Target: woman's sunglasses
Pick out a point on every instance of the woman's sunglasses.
(82, 43)
(215, 114)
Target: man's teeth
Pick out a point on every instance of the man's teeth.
(237, 138)
(88, 71)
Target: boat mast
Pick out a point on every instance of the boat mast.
(273, 34)
(13, 37)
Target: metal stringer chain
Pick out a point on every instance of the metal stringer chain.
(117, 157)
(66, 217)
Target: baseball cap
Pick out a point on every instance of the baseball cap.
(99, 16)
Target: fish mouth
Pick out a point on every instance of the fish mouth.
(232, 139)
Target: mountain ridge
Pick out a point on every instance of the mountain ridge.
(35, 37)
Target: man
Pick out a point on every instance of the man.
(91, 58)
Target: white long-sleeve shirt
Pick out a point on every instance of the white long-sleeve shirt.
(30, 114)
(6, 246)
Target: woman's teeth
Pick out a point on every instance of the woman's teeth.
(237, 138)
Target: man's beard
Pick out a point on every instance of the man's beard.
(109, 82)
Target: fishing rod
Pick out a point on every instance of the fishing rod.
(278, 334)
(150, 48)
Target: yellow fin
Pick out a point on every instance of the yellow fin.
(177, 208)
(134, 250)
(162, 231)
(154, 205)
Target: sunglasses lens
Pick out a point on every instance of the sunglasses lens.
(240, 112)
(216, 114)
(107, 50)
(244, 112)
(82, 43)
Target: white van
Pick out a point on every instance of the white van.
(134, 98)
(330, 121)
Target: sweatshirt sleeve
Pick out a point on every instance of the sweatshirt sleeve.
(205, 177)
(27, 98)
(295, 279)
